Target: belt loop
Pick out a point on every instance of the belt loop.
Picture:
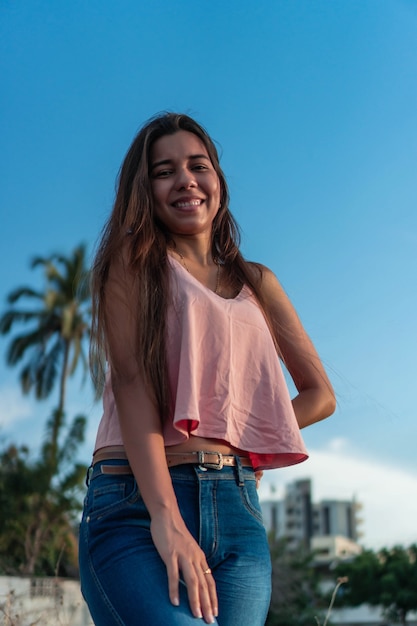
(88, 475)
(239, 469)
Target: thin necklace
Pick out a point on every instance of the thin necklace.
(217, 289)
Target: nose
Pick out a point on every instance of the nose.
(185, 179)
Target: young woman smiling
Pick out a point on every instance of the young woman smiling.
(195, 403)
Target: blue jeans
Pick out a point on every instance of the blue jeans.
(123, 578)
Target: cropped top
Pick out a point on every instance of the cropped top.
(225, 377)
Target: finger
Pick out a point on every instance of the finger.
(193, 584)
(201, 591)
(209, 602)
(173, 582)
(207, 593)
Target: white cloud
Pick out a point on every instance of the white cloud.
(387, 493)
(13, 406)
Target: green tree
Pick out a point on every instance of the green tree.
(37, 521)
(296, 597)
(49, 351)
(387, 579)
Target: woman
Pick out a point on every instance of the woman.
(195, 404)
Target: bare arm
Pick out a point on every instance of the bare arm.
(315, 399)
(144, 444)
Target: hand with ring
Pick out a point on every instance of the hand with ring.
(182, 555)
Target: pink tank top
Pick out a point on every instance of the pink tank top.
(225, 377)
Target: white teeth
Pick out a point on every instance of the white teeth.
(182, 205)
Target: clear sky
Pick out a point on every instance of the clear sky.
(314, 105)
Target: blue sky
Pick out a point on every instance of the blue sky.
(314, 105)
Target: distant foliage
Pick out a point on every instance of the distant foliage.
(37, 515)
(296, 596)
(387, 578)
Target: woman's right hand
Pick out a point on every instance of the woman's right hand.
(182, 555)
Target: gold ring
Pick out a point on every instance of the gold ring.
(207, 571)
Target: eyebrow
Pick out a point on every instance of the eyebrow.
(169, 161)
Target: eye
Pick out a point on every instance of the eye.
(162, 174)
(200, 167)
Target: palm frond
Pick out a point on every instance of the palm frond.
(27, 379)
(77, 354)
(47, 374)
(19, 346)
(64, 315)
(23, 292)
(11, 317)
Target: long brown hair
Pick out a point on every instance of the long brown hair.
(132, 224)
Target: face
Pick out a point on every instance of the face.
(185, 185)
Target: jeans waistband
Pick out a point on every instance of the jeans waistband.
(121, 467)
(209, 459)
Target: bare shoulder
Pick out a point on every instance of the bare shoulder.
(268, 283)
(282, 314)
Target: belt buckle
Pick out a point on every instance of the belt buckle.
(205, 464)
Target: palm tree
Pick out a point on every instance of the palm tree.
(59, 322)
(49, 352)
(59, 325)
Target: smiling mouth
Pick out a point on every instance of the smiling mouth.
(187, 204)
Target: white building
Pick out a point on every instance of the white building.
(297, 519)
(337, 517)
(334, 548)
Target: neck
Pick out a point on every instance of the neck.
(197, 250)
